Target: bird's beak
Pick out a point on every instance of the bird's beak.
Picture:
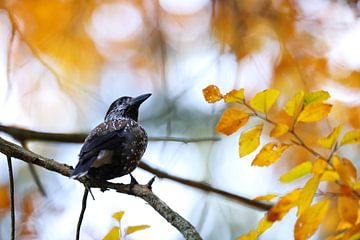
(140, 99)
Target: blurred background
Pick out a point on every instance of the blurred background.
(62, 63)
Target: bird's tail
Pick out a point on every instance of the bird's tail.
(81, 168)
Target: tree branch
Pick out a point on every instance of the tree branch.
(142, 191)
(206, 188)
(21, 134)
(11, 180)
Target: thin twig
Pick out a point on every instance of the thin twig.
(303, 144)
(11, 180)
(207, 188)
(142, 191)
(83, 208)
(33, 172)
(299, 141)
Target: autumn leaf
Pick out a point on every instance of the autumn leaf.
(250, 140)
(330, 176)
(113, 234)
(292, 106)
(252, 235)
(346, 170)
(297, 172)
(283, 206)
(4, 198)
(310, 220)
(267, 197)
(212, 94)
(319, 166)
(315, 97)
(264, 100)
(231, 121)
(279, 130)
(314, 112)
(132, 229)
(262, 226)
(347, 208)
(269, 154)
(329, 141)
(307, 194)
(118, 215)
(235, 96)
(351, 137)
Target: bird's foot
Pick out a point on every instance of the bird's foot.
(149, 184)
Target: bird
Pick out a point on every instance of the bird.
(114, 147)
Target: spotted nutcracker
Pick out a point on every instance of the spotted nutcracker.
(115, 147)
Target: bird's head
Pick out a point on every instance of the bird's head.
(126, 107)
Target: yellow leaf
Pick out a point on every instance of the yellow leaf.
(279, 129)
(114, 234)
(283, 206)
(118, 215)
(319, 166)
(132, 229)
(252, 235)
(351, 137)
(310, 220)
(212, 94)
(297, 172)
(269, 154)
(231, 121)
(329, 141)
(329, 176)
(292, 106)
(356, 186)
(315, 97)
(235, 96)
(307, 194)
(347, 209)
(267, 197)
(264, 100)
(314, 112)
(262, 226)
(250, 140)
(346, 170)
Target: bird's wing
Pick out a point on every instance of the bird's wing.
(92, 147)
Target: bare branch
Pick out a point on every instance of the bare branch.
(142, 191)
(83, 208)
(11, 180)
(207, 188)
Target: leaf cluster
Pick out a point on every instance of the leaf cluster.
(312, 204)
